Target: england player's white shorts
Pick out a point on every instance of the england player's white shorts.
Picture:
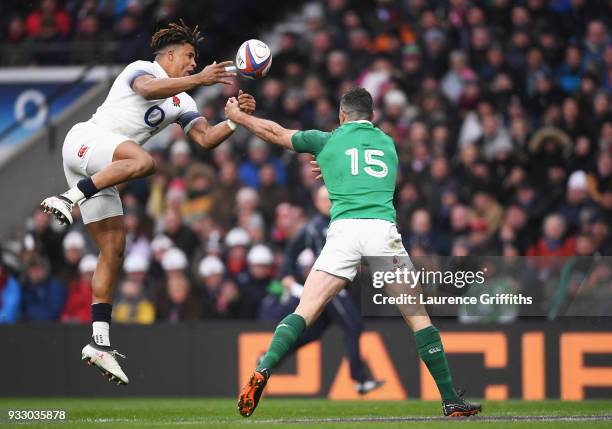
(88, 148)
(350, 239)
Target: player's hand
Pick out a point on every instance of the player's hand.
(215, 73)
(232, 109)
(314, 167)
(246, 102)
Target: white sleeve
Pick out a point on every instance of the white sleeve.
(137, 69)
(189, 113)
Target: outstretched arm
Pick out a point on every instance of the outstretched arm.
(153, 88)
(264, 129)
(209, 136)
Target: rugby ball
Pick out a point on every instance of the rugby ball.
(253, 59)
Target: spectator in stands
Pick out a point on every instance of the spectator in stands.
(259, 155)
(16, 32)
(92, 41)
(409, 200)
(249, 216)
(49, 15)
(43, 295)
(133, 40)
(495, 142)
(600, 230)
(460, 220)
(529, 199)
(255, 282)
(554, 241)
(514, 228)
(74, 248)
(288, 57)
(487, 208)
(271, 193)
(237, 242)
(10, 295)
(137, 232)
(336, 70)
(570, 72)
(132, 305)
(601, 178)
(180, 157)
(422, 234)
(595, 42)
(224, 195)
(577, 199)
(178, 303)
(78, 303)
(159, 246)
(167, 12)
(453, 82)
(180, 234)
(46, 240)
(200, 183)
(135, 268)
(288, 221)
(480, 239)
(220, 295)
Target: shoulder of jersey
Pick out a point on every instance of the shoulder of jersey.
(140, 63)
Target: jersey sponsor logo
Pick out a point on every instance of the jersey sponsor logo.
(434, 350)
(176, 101)
(82, 151)
(154, 116)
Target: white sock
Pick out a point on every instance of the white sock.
(101, 333)
(74, 194)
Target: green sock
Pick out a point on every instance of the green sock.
(431, 351)
(288, 331)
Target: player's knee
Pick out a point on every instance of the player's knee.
(151, 166)
(144, 166)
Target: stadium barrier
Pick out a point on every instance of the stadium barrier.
(570, 359)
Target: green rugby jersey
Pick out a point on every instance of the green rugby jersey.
(359, 165)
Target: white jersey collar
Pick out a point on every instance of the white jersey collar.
(359, 121)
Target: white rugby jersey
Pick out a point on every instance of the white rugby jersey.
(128, 113)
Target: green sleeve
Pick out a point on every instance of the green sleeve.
(311, 141)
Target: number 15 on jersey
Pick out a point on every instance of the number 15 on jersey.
(370, 155)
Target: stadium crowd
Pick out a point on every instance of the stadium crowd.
(500, 110)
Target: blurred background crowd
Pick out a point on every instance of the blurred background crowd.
(500, 110)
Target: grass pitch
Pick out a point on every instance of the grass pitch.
(165, 413)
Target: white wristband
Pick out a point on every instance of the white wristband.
(232, 125)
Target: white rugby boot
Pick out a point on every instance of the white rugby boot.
(104, 359)
(60, 207)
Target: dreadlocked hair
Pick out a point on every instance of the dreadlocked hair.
(175, 34)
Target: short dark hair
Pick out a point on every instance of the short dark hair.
(357, 102)
(176, 34)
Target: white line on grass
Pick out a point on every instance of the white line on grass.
(187, 422)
